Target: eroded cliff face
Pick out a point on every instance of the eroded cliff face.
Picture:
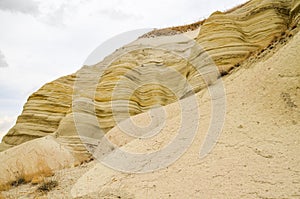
(228, 38)
(262, 108)
(42, 112)
(295, 12)
(231, 37)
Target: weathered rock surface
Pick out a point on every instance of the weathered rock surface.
(256, 156)
(263, 105)
(40, 157)
(42, 112)
(229, 38)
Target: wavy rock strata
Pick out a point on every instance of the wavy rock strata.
(147, 73)
(229, 38)
(255, 156)
(42, 112)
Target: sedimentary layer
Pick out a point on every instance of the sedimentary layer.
(138, 79)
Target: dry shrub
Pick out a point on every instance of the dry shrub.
(43, 170)
(4, 187)
(18, 182)
(47, 186)
(188, 27)
(1, 196)
(37, 180)
(173, 30)
(235, 8)
(22, 177)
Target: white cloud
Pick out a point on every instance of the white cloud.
(3, 62)
(5, 124)
(54, 17)
(23, 6)
(118, 15)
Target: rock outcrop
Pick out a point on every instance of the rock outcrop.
(42, 112)
(72, 112)
(256, 156)
(233, 36)
(38, 158)
(229, 38)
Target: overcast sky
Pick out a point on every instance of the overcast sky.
(43, 40)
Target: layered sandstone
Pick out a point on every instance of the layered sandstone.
(255, 156)
(165, 70)
(228, 38)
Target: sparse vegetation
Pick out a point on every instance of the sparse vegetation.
(23, 177)
(235, 8)
(47, 186)
(18, 182)
(188, 27)
(4, 187)
(174, 30)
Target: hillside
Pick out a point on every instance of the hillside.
(251, 51)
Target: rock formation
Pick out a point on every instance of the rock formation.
(229, 38)
(254, 47)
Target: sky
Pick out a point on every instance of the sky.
(43, 40)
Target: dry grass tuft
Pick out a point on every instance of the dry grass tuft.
(18, 182)
(1, 196)
(5, 187)
(22, 176)
(235, 8)
(43, 170)
(47, 186)
(188, 27)
(173, 30)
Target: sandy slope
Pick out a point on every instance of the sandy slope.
(256, 156)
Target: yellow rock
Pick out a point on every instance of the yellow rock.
(139, 80)
(229, 38)
(134, 83)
